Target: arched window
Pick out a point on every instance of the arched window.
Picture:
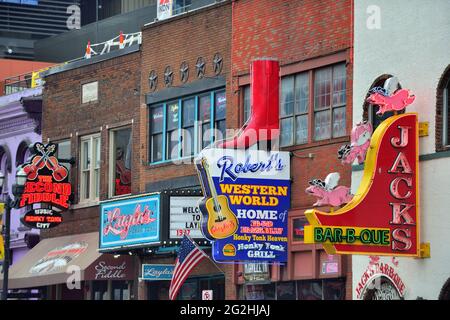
(5, 166)
(445, 291)
(388, 82)
(23, 153)
(442, 112)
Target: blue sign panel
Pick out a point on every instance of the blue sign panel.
(130, 222)
(157, 272)
(245, 209)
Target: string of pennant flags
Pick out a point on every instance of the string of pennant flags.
(119, 42)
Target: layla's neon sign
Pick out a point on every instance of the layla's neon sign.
(383, 216)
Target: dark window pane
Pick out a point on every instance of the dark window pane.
(172, 144)
(221, 103)
(286, 291)
(122, 161)
(339, 85)
(298, 229)
(188, 141)
(334, 289)
(287, 134)
(206, 135)
(157, 147)
(246, 103)
(287, 96)
(301, 134)
(205, 108)
(309, 290)
(188, 113)
(220, 130)
(172, 116)
(322, 125)
(322, 88)
(339, 122)
(156, 119)
(302, 93)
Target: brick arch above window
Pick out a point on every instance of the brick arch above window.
(442, 112)
(369, 110)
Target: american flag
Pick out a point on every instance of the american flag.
(189, 255)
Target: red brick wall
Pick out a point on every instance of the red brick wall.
(298, 33)
(65, 117)
(168, 43)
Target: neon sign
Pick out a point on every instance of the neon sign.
(47, 184)
(383, 216)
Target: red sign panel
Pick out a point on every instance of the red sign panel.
(47, 183)
(383, 217)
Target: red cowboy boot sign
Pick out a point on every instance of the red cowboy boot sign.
(383, 216)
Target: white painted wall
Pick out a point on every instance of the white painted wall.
(413, 43)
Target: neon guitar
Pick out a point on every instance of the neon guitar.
(219, 221)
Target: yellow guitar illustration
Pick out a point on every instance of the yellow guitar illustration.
(218, 221)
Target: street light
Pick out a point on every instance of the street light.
(18, 187)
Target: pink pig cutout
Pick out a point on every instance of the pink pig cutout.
(360, 142)
(327, 192)
(396, 102)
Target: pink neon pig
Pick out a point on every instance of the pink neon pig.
(328, 193)
(360, 142)
(396, 102)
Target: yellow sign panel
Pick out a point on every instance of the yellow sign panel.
(423, 129)
(347, 235)
(2, 248)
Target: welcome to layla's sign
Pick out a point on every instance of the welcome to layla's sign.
(133, 221)
(47, 187)
(247, 198)
(383, 217)
(185, 217)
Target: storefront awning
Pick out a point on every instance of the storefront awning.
(69, 258)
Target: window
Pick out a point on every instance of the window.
(181, 128)
(321, 104)
(90, 168)
(294, 105)
(298, 229)
(443, 113)
(64, 153)
(4, 168)
(120, 160)
(89, 92)
(247, 103)
(329, 102)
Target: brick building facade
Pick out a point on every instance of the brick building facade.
(311, 39)
(189, 75)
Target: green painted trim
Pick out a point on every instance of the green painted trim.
(423, 157)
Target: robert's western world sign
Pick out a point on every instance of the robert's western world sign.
(383, 216)
(247, 198)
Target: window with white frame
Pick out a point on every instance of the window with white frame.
(120, 162)
(89, 92)
(183, 127)
(90, 168)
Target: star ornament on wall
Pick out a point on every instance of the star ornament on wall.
(184, 71)
(152, 80)
(168, 76)
(200, 66)
(217, 63)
